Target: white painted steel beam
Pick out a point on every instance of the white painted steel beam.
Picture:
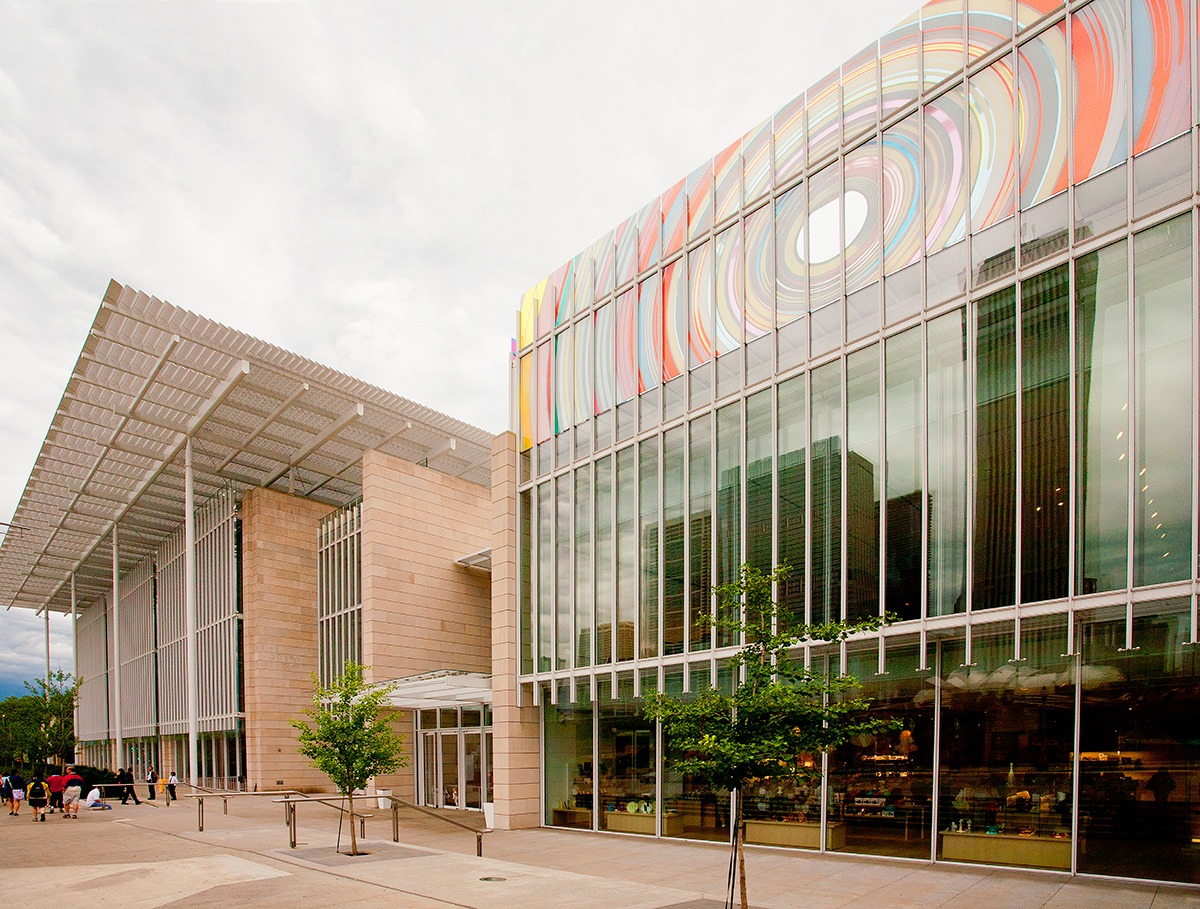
(337, 426)
(190, 619)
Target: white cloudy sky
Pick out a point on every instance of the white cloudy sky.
(370, 184)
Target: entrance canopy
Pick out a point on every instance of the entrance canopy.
(150, 377)
(441, 688)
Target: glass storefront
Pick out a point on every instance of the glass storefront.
(979, 763)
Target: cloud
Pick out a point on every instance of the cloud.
(23, 648)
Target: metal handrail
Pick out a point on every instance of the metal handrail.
(289, 813)
(289, 808)
(398, 803)
(225, 796)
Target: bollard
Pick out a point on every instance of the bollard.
(200, 814)
(226, 801)
(362, 827)
(291, 809)
(395, 823)
(479, 845)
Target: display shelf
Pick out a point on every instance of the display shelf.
(1007, 849)
(571, 817)
(627, 822)
(799, 834)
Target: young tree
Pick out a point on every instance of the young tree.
(55, 698)
(350, 739)
(777, 717)
(39, 728)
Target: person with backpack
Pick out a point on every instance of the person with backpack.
(17, 782)
(38, 794)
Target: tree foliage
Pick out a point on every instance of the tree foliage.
(349, 737)
(780, 716)
(38, 729)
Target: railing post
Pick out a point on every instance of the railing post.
(291, 825)
(479, 845)
(362, 827)
(200, 814)
(395, 823)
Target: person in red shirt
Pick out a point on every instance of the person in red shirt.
(72, 790)
(55, 782)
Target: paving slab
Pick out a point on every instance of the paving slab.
(150, 856)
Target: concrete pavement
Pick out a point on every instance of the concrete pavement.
(150, 856)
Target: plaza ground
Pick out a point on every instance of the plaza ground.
(142, 857)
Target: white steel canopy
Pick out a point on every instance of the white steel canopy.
(440, 688)
(150, 377)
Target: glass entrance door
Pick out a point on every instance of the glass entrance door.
(430, 778)
(454, 756)
(451, 786)
(472, 770)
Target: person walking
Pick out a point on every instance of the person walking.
(130, 788)
(38, 796)
(72, 790)
(151, 781)
(55, 782)
(122, 789)
(172, 782)
(17, 782)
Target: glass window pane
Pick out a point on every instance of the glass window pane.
(942, 39)
(545, 561)
(1102, 420)
(729, 501)
(824, 117)
(1164, 328)
(759, 480)
(946, 406)
(903, 227)
(700, 530)
(995, 531)
(823, 237)
(675, 320)
(1162, 80)
(674, 561)
(1099, 74)
(649, 342)
(649, 227)
(564, 603)
(727, 171)
(626, 347)
(648, 501)
(1042, 103)
(993, 144)
(903, 534)
(863, 478)
(729, 290)
(700, 294)
(861, 215)
(899, 58)
(526, 582)
(700, 201)
(759, 271)
(756, 162)
(627, 579)
(826, 502)
(605, 344)
(605, 589)
(674, 211)
(945, 152)
(627, 762)
(791, 275)
(568, 770)
(1045, 435)
(583, 566)
(1006, 769)
(792, 443)
(1139, 758)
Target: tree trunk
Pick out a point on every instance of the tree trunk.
(741, 854)
(353, 835)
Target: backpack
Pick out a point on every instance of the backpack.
(38, 790)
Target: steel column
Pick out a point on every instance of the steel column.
(192, 670)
